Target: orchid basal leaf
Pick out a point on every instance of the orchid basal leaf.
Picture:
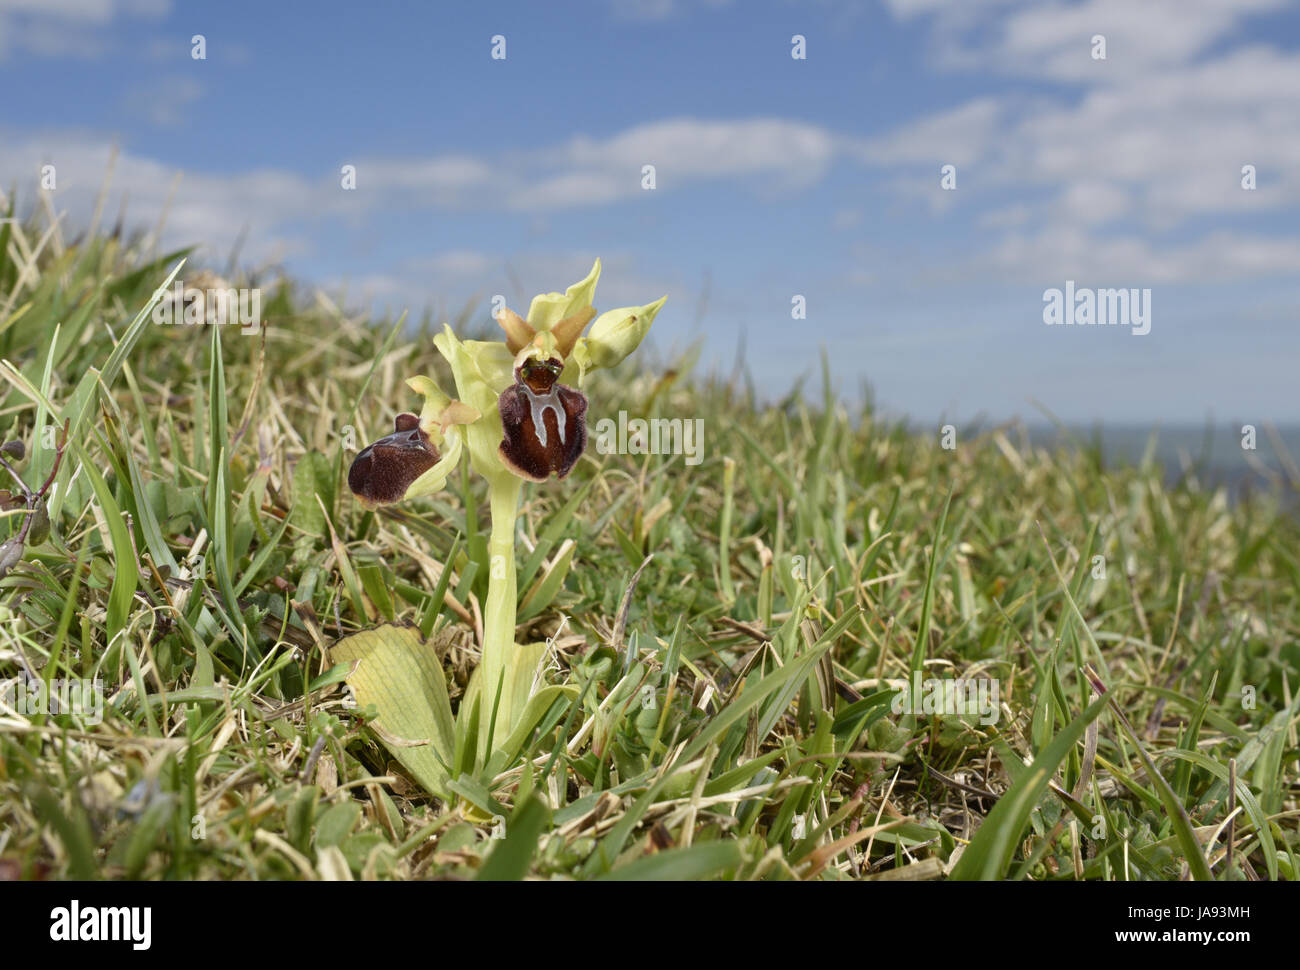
(394, 670)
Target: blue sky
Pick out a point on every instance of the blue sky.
(775, 176)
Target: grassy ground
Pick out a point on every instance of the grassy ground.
(204, 553)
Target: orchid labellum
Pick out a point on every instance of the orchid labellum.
(543, 422)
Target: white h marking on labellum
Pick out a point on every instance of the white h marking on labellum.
(540, 404)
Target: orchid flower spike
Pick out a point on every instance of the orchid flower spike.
(543, 421)
(523, 415)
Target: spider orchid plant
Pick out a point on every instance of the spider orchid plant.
(520, 416)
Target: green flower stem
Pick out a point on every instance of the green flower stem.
(499, 653)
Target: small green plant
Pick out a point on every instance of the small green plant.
(521, 417)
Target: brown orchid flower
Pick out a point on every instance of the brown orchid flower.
(543, 422)
(408, 462)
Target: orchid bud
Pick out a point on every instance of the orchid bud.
(615, 334)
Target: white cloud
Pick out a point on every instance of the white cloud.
(768, 154)
(164, 102)
(657, 10)
(782, 154)
(206, 208)
(956, 136)
(1093, 201)
(81, 11)
(1070, 252)
(66, 28)
(479, 276)
(1052, 40)
(1017, 214)
(1095, 175)
(644, 9)
(1155, 140)
(1142, 39)
(708, 149)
